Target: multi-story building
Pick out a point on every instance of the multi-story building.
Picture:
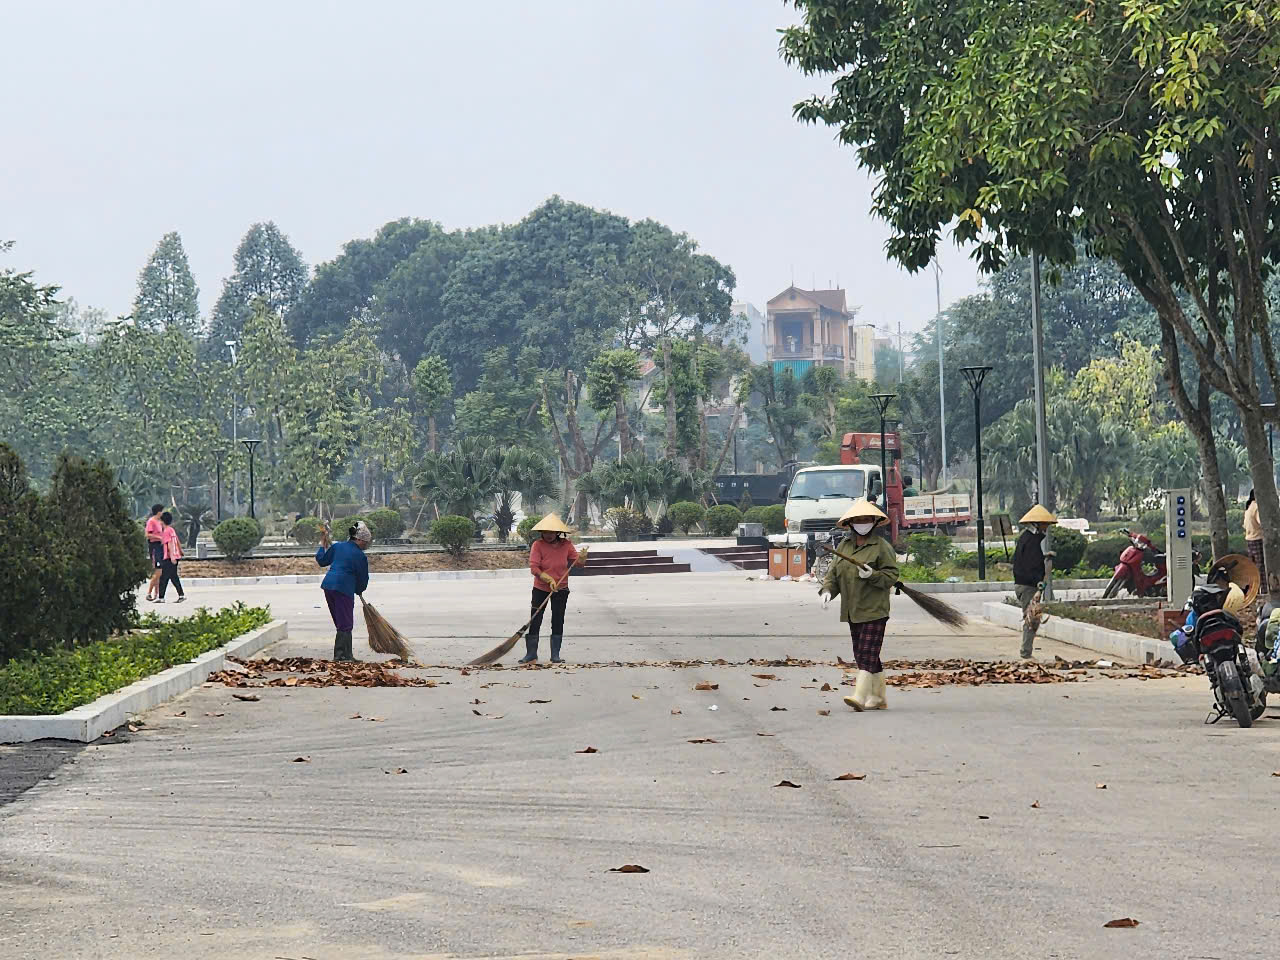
(755, 328)
(808, 327)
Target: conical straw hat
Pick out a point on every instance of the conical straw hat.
(551, 522)
(861, 509)
(1038, 514)
(1238, 569)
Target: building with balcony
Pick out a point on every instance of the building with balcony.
(808, 327)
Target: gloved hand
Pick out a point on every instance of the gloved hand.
(865, 572)
(549, 580)
(826, 598)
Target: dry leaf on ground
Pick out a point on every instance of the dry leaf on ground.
(764, 734)
(824, 713)
(396, 770)
(629, 868)
(703, 740)
(777, 709)
(852, 776)
(675, 713)
(765, 676)
(1101, 786)
(539, 701)
(587, 750)
(355, 716)
(181, 713)
(1035, 805)
(706, 685)
(1121, 923)
(826, 688)
(247, 697)
(215, 714)
(787, 783)
(306, 759)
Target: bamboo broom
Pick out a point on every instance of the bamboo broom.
(942, 612)
(502, 649)
(383, 637)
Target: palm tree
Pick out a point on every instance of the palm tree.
(636, 480)
(522, 471)
(464, 479)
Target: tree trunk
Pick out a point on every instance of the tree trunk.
(431, 432)
(702, 435)
(1264, 490)
(624, 438)
(671, 399)
(728, 440)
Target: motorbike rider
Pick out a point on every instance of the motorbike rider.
(1032, 561)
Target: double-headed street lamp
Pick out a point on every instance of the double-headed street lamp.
(974, 376)
(882, 404)
(249, 445)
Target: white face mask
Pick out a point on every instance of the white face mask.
(862, 529)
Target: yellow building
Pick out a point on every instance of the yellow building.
(804, 328)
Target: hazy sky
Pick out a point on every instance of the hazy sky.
(129, 119)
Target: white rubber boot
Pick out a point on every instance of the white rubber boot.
(878, 700)
(862, 688)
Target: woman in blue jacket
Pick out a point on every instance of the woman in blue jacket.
(348, 575)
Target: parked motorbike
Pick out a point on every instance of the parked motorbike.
(1131, 574)
(1215, 640)
(821, 563)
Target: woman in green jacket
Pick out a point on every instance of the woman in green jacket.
(863, 586)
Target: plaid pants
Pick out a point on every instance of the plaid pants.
(868, 638)
(1255, 554)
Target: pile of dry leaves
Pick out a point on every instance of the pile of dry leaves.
(309, 672)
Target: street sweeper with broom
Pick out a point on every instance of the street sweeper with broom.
(550, 558)
(863, 574)
(348, 575)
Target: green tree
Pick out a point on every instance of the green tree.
(462, 480)
(523, 471)
(1146, 128)
(167, 292)
(609, 377)
(267, 268)
(505, 403)
(780, 392)
(432, 388)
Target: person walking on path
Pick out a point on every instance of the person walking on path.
(550, 558)
(155, 549)
(863, 576)
(1253, 536)
(348, 576)
(1031, 564)
(170, 554)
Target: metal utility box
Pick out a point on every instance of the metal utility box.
(778, 562)
(1177, 549)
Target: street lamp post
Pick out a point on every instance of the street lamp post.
(882, 403)
(249, 445)
(1042, 429)
(235, 490)
(916, 437)
(942, 393)
(974, 376)
(219, 487)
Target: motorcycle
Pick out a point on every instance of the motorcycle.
(821, 563)
(1131, 575)
(1215, 640)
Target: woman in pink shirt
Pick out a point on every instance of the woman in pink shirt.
(155, 548)
(550, 558)
(172, 553)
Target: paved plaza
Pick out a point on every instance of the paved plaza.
(981, 829)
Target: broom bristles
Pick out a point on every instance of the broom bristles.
(502, 649)
(383, 637)
(940, 611)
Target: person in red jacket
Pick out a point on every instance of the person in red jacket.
(550, 558)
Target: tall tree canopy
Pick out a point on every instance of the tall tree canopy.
(167, 292)
(1148, 128)
(267, 268)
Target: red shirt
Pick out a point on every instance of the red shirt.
(554, 558)
(172, 545)
(155, 529)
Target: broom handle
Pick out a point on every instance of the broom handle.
(844, 556)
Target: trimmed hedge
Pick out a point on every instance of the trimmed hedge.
(1068, 547)
(454, 534)
(306, 530)
(237, 536)
(62, 679)
(930, 550)
(723, 519)
(686, 515)
(525, 529)
(384, 523)
(773, 517)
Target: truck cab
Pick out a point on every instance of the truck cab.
(819, 496)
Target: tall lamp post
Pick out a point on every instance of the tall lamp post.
(882, 403)
(249, 445)
(219, 487)
(974, 377)
(235, 490)
(916, 437)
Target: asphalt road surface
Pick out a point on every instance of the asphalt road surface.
(981, 828)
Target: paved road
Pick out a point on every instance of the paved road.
(197, 837)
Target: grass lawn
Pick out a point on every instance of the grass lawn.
(60, 680)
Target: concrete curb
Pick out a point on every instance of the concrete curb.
(90, 721)
(315, 578)
(1124, 646)
(1004, 586)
